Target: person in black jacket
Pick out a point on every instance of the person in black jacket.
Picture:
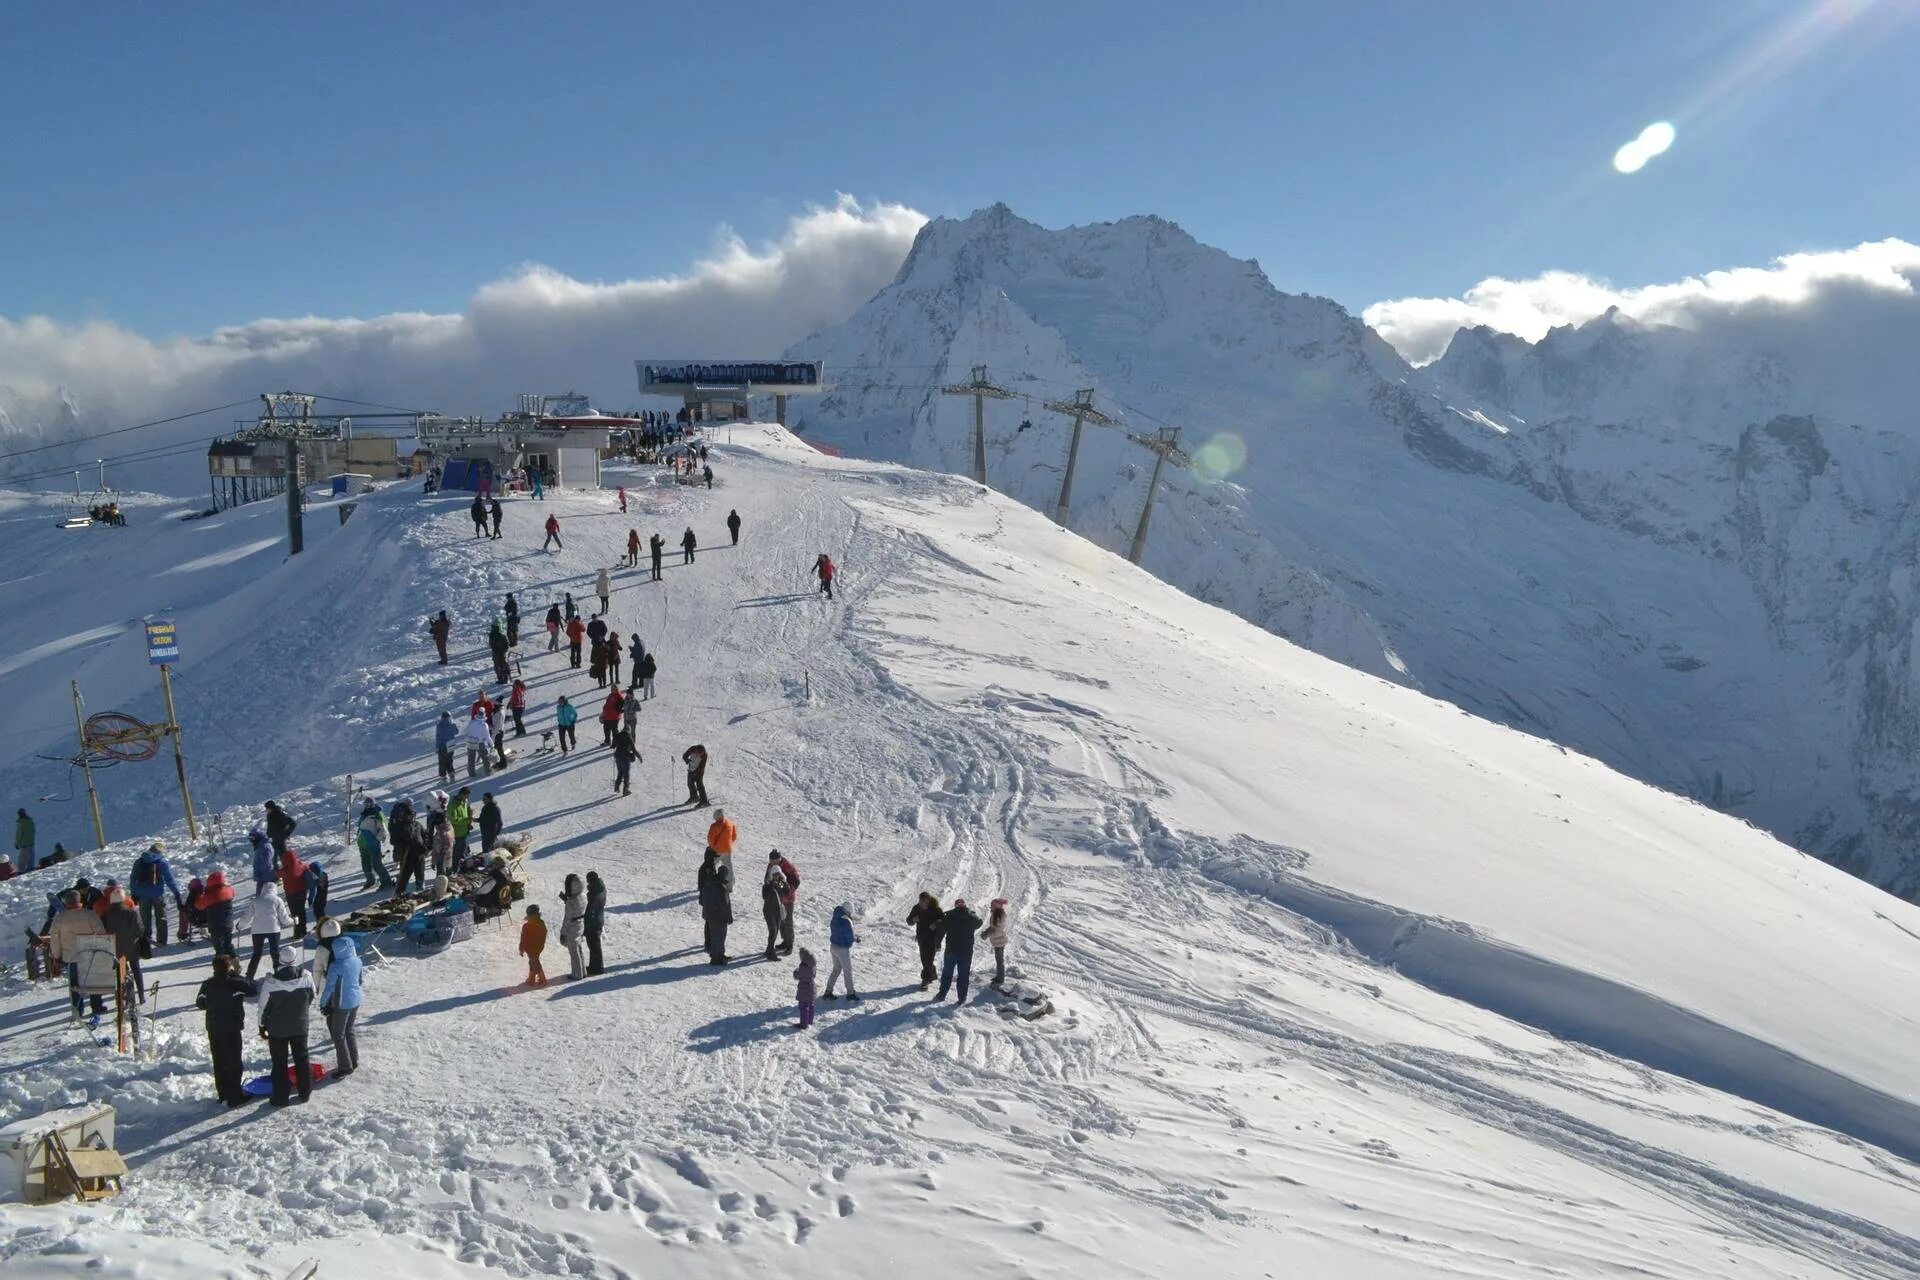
(123, 922)
(695, 758)
(961, 924)
(497, 645)
(596, 920)
(493, 509)
(624, 754)
(656, 544)
(715, 886)
(512, 611)
(929, 923)
(409, 846)
(279, 828)
(687, 543)
(224, 997)
(490, 822)
(733, 526)
(479, 513)
(286, 1000)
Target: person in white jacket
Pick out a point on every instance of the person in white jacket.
(268, 918)
(286, 1000)
(603, 587)
(573, 924)
(479, 744)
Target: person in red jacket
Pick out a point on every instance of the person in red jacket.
(576, 632)
(293, 879)
(553, 534)
(517, 707)
(610, 715)
(823, 569)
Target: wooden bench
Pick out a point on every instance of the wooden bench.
(92, 1173)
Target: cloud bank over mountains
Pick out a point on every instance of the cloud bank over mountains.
(1849, 287)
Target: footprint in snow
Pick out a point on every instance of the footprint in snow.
(846, 1206)
(764, 1207)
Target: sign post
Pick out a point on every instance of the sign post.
(163, 649)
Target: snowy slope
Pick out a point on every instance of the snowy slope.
(1346, 982)
(1715, 599)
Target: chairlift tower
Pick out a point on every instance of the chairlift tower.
(1081, 410)
(1164, 444)
(982, 391)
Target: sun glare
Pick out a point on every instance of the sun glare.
(1653, 140)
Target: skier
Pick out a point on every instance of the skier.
(596, 920)
(623, 499)
(781, 868)
(440, 627)
(576, 632)
(512, 611)
(372, 830)
(823, 569)
(624, 754)
(633, 548)
(553, 628)
(687, 543)
(293, 879)
(962, 925)
(497, 644)
(445, 734)
(490, 822)
(215, 904)
(929, 923)
(553, 534)
(266, 919)
(479, 513)
(533, 940)
(565, 717)
(279, 827)
(695, 758)
(722, 833)
(286, 1000)
(224, 997)
(517, 707)
(841, 937)
(803, 987)
(715, 891)
(152, 881)
(573, 926)
(603, 587)
(479, 743)
(644, 671)
(23, 835)
(656, 544)
(733, 526)
(340, 1002)
(610, 716)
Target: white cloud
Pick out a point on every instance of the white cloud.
(1420, 328)
(537, 330)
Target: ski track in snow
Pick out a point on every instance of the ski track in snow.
(1216, 1069)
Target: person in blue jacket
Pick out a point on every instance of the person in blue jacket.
(266, 863)
(151, 882)
(340, 1001)
(445, 735)
(840, 934)
(566, 716)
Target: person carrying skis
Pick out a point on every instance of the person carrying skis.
(493, 509)
(624, 754)
(512, 612)
(223, 998)
(610, 716)
(565, 717)
(497, 645)
(733, 526)
(440, 627)
(517, 708)
(603, 587)
(803, 974)
(490, 822)
(553, 534)
(573, 926)
(841, 937)
(286, 1002)
(823, 569)
(596, 920)
(445, 735)
(23, 837)
(962, 925)
(152, 882)
(279, 827)
(633, 548)
(643, 671)
(372, 831)
(695, 758)
(929, 921)
(656, 544)
(553, 628)
(340, 1002)
(479, 513)
(533, 940)
(687, 543)
(715, 891)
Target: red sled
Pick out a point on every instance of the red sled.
(262, 1086)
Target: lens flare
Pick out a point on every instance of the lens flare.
(1653, 140)
(1220, 457)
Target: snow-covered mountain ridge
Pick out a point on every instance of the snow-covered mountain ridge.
(1659, 546)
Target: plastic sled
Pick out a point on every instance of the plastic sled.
(262, 1086)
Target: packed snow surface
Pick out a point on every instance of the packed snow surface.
(1343, 981)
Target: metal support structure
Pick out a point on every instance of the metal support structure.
(86, 767)
(1081, 410)
(982, 390)
(179, 757)
(1164, 445)
(296, 532)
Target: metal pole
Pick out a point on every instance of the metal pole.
(179, 759)
(295, 533)
(1146, 512)
(86, 766)
(1066, 481)
(980, 439)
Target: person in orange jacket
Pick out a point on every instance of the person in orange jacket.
(576, 633)
(533, 940)
(722, 834)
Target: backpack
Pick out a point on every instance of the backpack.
(150, 871)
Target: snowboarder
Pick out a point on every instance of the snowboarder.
(517, 708)
(266, 920)
(279, 827)
(445, 735)
(962, 925)
(479, 513)
(596, 920)
(340, 1002)
(840, 934)
(803, 987)
(23, 836)
(493, 510)
(512, 611)
(553, 534)
(553, 628)
(610, 716)
(995, 931)
(490, 822)
(715, 890)
(656, 544)
(497, 645)
(573, 926)
(624, 754)
(603, 587)
(687, 543)
(733, 526)
(565, 717)
(633, 548)
(440, 627)
(372, 830)
(644, 670)
(929, 923)
(152, 882)
(286, 1000)
(576, 632)
(695, 758)
(224, 998)
(823, 569)
(533, 940)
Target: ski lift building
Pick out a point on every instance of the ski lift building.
(568, 448)
(705, 386)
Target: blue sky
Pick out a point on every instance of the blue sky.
(177, 167)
